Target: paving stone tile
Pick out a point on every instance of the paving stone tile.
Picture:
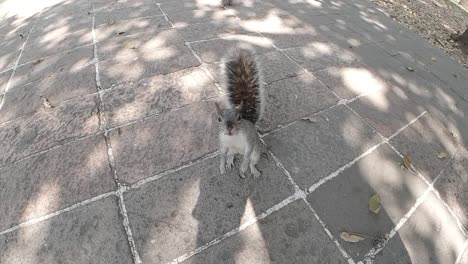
(4, 77)
(67, 8)
(320, 55)
(387, 110)
(9, 52)
(370, 52)
(69, 62)
(374, 27)
(351, 80)
(114, 15)
(311, 151)
(165, 141)
(209, 30)
(102, 6)
(130, 27)
(342, 35)
(55, 89)
(56, 45)
(131, 68)
(276, 66)
(291, 235)
(251, 11)
(138, 44)
(214, 50)
(170, 7)
(92, 233)
(195, 205)
(423, 141)
(394, 253)
(48, 128)
(60, 24)
(54, 180)
(453, 183)
(443, 104)
(408, 60)
(13, 27)
(431, 235)
(295, 37)
(186, 18)
(342, 203)
(302, 9)
(291, 99)
(157, 95)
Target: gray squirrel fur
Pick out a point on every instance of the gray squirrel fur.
(242, 108)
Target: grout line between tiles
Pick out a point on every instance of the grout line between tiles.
(329, 234)
(464, 249)
(296, 196)
(189, 46)
(56, 213)
(368, 258)
(102, 125)
(128, 229)
(419, 174)
(7, 88)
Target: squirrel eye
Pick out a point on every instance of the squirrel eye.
(219, 119)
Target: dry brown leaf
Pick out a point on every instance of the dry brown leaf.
(312, 119)
(46, 103)
(374, 203)
(111, 22)
(442, 155)
(38, 61)
(351, 237)
(132, 44)
(407, 162)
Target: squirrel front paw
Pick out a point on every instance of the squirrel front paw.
(229, 164)
(244, 165)
(255, 172)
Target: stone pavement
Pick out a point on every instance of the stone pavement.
(109, 139)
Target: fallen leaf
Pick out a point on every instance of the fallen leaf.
(121, 33)
(311, 119)
(111, 22)
(410, 69)
(407, 162)
(442, 155)
(131, 45)
(46, 103)
(351, 237)
(38, 61)
(374, 203)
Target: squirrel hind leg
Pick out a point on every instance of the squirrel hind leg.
(254, 158)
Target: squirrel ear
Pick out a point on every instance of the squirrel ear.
(239, 107)
(218, 109)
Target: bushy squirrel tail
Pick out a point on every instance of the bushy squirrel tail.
(243, 84)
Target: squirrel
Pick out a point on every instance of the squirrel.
(244, 104)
